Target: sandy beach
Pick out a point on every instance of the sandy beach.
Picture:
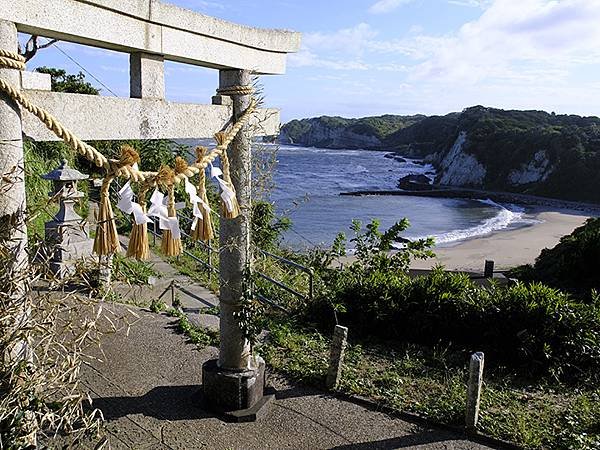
(509, 248)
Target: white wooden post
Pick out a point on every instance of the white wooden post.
(336, 356)
(474, 390)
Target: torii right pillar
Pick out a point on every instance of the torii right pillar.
(233, 385)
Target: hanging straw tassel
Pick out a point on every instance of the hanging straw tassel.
(138, 247)
(128, 156)
(106, 241)
(234, 210)
(204, 229)
(169, 245)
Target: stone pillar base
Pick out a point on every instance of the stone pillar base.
(236, 396)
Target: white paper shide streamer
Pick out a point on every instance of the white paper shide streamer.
(227, 194)
(195, 200)
(128, 206)
(158, 208)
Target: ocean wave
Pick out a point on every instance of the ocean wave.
(326, 151)
(507, 216)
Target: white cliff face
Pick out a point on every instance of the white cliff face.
(459, 168)
(538, 169)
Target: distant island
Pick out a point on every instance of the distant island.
(529, 152)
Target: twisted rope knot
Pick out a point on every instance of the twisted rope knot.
(11, 60)
(236, 90)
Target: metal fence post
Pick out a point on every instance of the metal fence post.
(154, 231)
(210, 270)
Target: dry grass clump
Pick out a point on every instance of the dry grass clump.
(45, 337)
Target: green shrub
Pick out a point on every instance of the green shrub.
(532, 327)
(572, 265)
(267, 227)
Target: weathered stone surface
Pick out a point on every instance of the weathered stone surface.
(124, 118)
(459, 168)
(395, 157)
(146, 76)
(222, 100)
(13, 227)
(474, 389)
(324, 136)
(414, 182)
(336, 356)
(12, 188)
(208, 321)
(154, 27)
(234, 237)
(538, 169)
(228, 391)
(35, 81)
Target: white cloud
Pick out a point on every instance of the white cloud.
(385, 6)
(471, 3)
(347, 40)
(339, 50)
(306, 58)
(514, 39)
(517, 54)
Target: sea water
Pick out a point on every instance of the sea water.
(308, 183)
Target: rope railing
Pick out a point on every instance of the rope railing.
(126, 166)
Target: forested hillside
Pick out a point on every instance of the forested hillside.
(338, 132)
(532, 152)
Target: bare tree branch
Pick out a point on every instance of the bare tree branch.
(32, 46)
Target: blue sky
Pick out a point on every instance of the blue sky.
(370, 57)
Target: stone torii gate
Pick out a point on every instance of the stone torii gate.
(150, 32)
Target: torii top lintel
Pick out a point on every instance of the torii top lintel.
(150, 26)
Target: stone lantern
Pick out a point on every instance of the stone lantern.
(67, 234)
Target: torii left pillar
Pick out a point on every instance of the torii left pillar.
(233, 385)
(13, 231)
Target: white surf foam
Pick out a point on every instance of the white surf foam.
(507, 216)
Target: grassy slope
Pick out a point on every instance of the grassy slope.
(432, 382)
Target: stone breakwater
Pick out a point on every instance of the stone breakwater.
(477, 194)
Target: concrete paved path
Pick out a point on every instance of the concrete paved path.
(148, 388)
(194, 297)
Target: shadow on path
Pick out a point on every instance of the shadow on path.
(163, 402)
(195, 296)
(422, 438)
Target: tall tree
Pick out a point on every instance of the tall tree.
(64, 82)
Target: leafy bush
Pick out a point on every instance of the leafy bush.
(572, 265)
(532, 327)
(64, 82)
(266, 226)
